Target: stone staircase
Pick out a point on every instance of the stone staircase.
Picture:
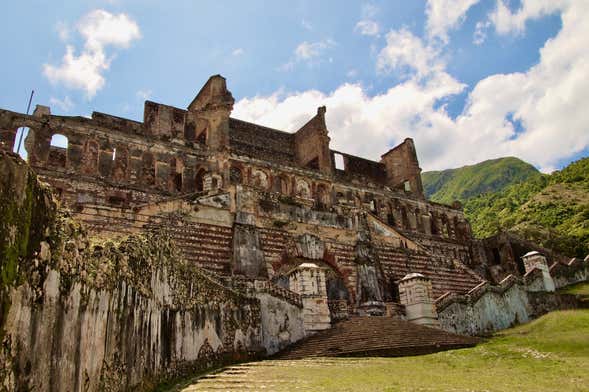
(376, 336)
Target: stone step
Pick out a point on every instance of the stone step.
(381, 336)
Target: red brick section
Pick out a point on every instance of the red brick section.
(274, 243)
(376, 336)
(445, 276)
(208, 246)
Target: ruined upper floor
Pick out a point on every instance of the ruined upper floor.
(103, 144)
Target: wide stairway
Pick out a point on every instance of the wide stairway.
(376, 336)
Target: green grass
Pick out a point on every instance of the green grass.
(548, 354)
(579, 289)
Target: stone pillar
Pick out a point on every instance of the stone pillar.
(308, 280)
(415, 292)
(536, 260)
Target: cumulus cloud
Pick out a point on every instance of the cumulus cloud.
(358, 123)
(238, 52)
(310, 53)
(507, 22)
(405, 50)
(65, 104)
(548, 102)
(367, 24)
(367, 27)
(63, 31)
(444, 15)
(308, 50)
(100, 30)
(144, 94)
(480, 32)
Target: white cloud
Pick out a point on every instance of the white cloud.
(100, 29)
(480, 32)
(238, 52)
(367, 27)
(444, 15)
(352, 73)
(65, 104)
(358, 123)
(144, 94)
(548, 100)
(404, 49)
(63, 31)
(306, 25)
(507, 22)
(369, 11)
(308, 50)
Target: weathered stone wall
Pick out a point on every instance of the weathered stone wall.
(574, 271)
(282, 322)
(78, 315)
(488, 308)
(495, 309)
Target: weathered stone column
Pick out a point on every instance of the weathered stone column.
(415, 292)
(308, 280)
(536, 260)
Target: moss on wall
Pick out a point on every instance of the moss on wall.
(153, 315)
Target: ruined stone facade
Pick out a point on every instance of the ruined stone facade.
(193, 238)
(245, 200)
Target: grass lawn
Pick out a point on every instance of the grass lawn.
(579, 289)
(548, 354)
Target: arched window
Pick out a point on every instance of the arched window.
(259, 179)
(303, 189)
(404, 217)
(280, 185)
(58, 150)
(201, 131)
(322, 196)
(90, 157)
(176, 168)
(235, 175)
(199, 180)
(121, 163)
(148, 168)
(434, 224)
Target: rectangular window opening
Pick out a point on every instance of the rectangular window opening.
(339, 161)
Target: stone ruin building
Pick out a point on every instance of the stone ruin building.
(316, 235)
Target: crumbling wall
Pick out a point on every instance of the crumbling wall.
(494, 309)
(488, 308)
(282, 322)
(575, 271)
(78, 315)
(402, 168)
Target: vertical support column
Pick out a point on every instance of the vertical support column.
(415, 292)
(536, 260)
(308, 280)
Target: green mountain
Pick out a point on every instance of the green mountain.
(552, 210)
(469, 181)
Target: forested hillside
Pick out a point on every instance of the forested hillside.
(552, 210)
(470, 181)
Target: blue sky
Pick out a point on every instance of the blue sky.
(468, 80)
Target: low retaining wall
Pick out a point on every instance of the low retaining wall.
(488, 308)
